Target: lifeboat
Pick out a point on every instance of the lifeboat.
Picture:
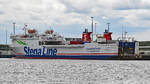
(49, 31)
(31, 31)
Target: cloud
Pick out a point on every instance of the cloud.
(142, 36)
(132, 4)
(73, 11)
(68, 13)
(41, 11)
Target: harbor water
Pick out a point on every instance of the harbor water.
(52, 71)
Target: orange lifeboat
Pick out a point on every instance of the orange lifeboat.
(49, 31)
(31, 31)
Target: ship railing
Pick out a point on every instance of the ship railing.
(65, 46)
(126, 39)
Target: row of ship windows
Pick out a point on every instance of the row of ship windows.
(144, 43)
(144, 49)
(50, 43)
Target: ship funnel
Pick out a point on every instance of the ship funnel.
(107, 34)
(86, 36)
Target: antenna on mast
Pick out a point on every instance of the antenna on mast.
(125, 34)
(108, 26)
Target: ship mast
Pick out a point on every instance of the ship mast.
(125, 34)
(95, 28)
(6, 35)
(14, 27)
(92, 27)
(122, 32)
(25, 29)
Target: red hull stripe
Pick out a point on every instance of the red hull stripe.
(87, 53)
(43, 58)
(19, 53)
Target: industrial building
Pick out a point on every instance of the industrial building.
(5, 51)
(144, 48)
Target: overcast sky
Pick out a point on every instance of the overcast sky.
(71, 17)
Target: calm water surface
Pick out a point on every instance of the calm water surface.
(51, 71)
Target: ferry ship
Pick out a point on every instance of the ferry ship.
(51, 45)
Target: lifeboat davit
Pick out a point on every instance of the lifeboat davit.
(31, 31)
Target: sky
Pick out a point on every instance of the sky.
(71, 17)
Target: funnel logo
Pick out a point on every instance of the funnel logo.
(21, 43)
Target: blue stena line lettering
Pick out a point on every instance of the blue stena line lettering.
(40, 51)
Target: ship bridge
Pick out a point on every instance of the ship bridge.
(4, 47)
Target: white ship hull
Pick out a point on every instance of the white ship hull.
(87, 51)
